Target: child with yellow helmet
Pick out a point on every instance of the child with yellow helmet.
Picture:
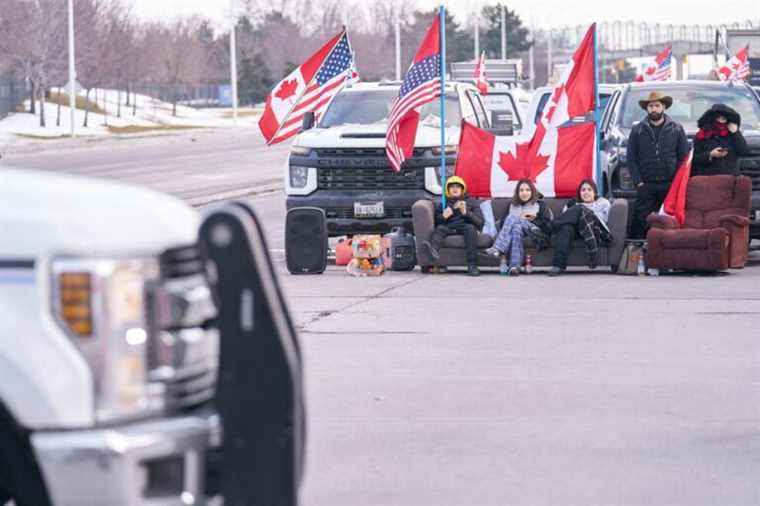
(461, 216)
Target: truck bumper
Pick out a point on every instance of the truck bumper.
(339, 209)
(152, 463)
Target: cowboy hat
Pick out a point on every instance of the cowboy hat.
(656, 96)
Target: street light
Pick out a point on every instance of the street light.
(233, 62)
(72, 71)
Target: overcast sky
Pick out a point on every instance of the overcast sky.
(541, 12)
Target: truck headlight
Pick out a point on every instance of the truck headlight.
(300, 180)
(449, 150)
(299, 176)
(101, 304)
(433, 178)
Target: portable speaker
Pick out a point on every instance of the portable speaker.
(306, 240)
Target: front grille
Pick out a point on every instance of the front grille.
(348, 213)
(180, 262)
(359, 152)
(380, 178)
(184, 354)
(750, 167)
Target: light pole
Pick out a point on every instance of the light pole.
(503, 32)
(72, 71)
(233, 62)
(476, 28)
(397, 20)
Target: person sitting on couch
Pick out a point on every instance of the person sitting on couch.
(461, 216)
(527, 214)
(585, 216)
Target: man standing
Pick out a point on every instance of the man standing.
(656, 147)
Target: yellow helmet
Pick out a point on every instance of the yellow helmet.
(455, 180)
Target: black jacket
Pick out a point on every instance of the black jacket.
(651, 161)
(543, 219)
(474, 214)
(733, 142)
(703, 166)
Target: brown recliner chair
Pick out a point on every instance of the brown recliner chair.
(715, 234)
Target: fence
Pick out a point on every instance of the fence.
(13, 91)
(207, 95)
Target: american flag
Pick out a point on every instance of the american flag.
(660, 71)
(422, 84)
(335, 72)
(736, 67)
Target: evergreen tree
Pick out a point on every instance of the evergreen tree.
(254, 80)
(517, 34)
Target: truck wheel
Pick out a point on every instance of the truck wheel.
(20, 477)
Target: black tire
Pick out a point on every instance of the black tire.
(20, 477)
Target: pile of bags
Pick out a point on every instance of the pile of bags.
(367, 256)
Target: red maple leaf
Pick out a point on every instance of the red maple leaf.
(520, 167)
(514, 166)
(287, 89)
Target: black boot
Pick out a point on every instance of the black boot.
(432, 251)
(472, 270)
(556, 271)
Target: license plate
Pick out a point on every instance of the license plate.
(374, 210)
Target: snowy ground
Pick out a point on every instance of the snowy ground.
(152, 116)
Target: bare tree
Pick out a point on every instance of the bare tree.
(184, 55)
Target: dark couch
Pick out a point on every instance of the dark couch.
(453, 251)
(715, 235)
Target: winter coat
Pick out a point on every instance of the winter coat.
(474, 214)
(709, 138)
(543, 218)
(656, 161)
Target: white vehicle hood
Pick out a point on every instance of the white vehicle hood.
(356, 136)
(44, 214)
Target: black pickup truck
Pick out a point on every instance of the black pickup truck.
(690, 100)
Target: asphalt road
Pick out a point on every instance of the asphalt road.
(588, 389)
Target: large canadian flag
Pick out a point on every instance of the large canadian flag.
(560, 153)
(287, 93)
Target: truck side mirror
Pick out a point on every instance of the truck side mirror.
(502, 123)
(308, 121)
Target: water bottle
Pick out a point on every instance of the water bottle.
(641, 270)
(528, 264)
(503, 267)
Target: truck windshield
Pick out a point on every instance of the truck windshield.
(373, 106)
(690, 104)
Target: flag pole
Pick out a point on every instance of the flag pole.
(597, 120)
(442, 31)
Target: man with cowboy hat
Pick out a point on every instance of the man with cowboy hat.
(656, 147)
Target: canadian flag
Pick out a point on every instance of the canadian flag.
(288, 92)
(737, 67)
(675, 202)
(480, 75)
(559, 154)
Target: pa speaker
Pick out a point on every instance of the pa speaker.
(306, 240)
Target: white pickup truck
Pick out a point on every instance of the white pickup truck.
(339, 164)
(107, 364)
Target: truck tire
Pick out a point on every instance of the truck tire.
(20, 477)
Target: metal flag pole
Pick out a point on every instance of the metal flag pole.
(72, 72)
(397, 29)
(442, 31)
(233, 62)
(597, 111)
